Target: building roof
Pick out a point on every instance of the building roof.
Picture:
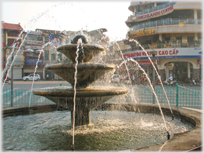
(10, 26)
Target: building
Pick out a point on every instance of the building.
(12, 37)
(26, 47)
(173, 30)
(32, 45)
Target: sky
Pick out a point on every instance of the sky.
(69, 15)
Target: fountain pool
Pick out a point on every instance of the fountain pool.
(108, 131)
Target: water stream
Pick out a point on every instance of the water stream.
(12, 62)
(79, 48)
(156, 72)
(36, 66)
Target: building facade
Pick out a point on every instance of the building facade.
(173, 30)
(32, 45)
(12, 37)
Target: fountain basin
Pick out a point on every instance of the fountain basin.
(86, 73)
(86, 99)
(90, 51)
(185, 141)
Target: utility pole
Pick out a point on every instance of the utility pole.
(12, 82)
(153, 83)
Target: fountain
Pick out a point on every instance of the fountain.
(87, 98)
(127, 126)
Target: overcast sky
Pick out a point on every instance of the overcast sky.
(69, 15)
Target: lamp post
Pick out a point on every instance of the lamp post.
(153, 55)
(12, 57)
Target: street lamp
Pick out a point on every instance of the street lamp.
(153, 55)
(12, 54)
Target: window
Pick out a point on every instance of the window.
(59, 56)
(46, 55)
(13, 33)
(46, 39)
(52, 57)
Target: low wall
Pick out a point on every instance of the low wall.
(187, 141)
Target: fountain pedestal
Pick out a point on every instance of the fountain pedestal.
(82, 116)
(87, 98)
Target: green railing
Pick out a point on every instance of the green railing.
(180, 96)
(22, 98)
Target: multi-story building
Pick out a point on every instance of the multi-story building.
(12, 37)
(32, 45)
(173, 30)
(32, 42)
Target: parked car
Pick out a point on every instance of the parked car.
(116, 78)
(30, 77)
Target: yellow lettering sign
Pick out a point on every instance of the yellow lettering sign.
(144, 32)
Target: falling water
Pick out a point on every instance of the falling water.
(11, 54)
(14, 57)
(36, 66)
(156, 72)
(79, 48)
(128, 76)
(153, 90)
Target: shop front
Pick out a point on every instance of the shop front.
(182, 63)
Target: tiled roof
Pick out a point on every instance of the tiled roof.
(11, 26)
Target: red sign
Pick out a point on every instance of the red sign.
(154, 14)
(159, 53)
(146, 62)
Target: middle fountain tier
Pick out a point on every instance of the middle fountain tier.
(87, 98)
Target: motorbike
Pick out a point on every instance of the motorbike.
(193, 82)
(169, 82)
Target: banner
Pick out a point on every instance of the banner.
(166, 53)
(55, 39)
(33, 61)
(154, 14)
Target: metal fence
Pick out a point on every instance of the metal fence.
(180, 96)
(22, 98)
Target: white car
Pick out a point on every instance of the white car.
(30, 77)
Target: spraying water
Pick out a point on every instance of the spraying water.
(36, 66)
(14, 57)
(153, 90)
(128, 74)
(157, 74)
(79, 48)
(12, 52)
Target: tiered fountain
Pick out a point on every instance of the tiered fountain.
(87, 98)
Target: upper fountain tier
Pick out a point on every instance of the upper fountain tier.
(86, 73)
(86, 52)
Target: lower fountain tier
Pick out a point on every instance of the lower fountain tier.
(86, 73)
(86, 99)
